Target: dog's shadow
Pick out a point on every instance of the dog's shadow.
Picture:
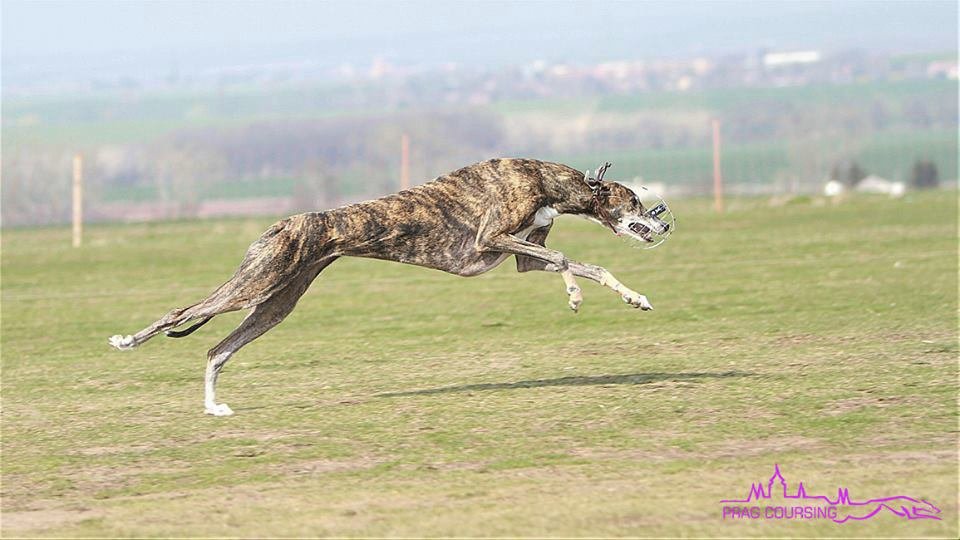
(597, 380)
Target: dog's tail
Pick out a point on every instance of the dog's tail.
(188, 331)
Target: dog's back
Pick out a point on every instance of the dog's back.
(433, 224)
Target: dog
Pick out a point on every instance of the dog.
(465, 223)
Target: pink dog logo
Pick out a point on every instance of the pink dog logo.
(771, 502)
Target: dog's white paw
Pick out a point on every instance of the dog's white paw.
(637, 300)
(576, 298)
(220, 409)
(124, 343)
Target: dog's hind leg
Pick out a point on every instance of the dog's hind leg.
(228, 297)
(270, 264)
(215, 304)
(263, 317)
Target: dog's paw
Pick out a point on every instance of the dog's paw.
(637, 301)
(124, 343)
(220, 409)
(576, 298)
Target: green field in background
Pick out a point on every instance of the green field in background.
(726, 100)
(729, 99)
(120, 118)
(242, 189)
(406, 402)
(890, 155)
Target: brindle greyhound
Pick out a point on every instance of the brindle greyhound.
(465, 223)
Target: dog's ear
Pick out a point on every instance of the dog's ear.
(596, 183)
(603, 170)
(592, 182)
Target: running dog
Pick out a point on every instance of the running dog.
(465, 223)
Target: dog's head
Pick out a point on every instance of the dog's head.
(642, 216)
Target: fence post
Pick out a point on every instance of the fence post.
(717, 175)
(404, 162)
(77, 200)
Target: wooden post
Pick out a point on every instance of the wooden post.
(404, 161)
(717, 174)
(77, 200)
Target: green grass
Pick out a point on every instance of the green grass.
(405, 402)
(724, 100)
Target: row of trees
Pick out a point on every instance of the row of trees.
(923, 175)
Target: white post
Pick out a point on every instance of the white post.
(404, 162)
(717, 175)
(77, 200)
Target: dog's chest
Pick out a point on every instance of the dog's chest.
(542, 218)
(486, 261)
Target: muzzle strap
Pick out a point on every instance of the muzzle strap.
(600, 210)
(657, 210)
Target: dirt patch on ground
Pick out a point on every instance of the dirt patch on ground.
(449, 466)
(110, 450)
(843, 406)
(912, 456)
(325, 466)
(646, 455)
(504, 362)
(627, 345)
(885, 337)
(17, 523)
(799, 339)
(21, 491)
(719, 450)
(756, 447)
(100, 479)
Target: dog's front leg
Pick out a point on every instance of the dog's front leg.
(601, 276)
(526, 264)
(573, 290)
(553, 261)
(557, 262)
(604, 277)
(507, 243)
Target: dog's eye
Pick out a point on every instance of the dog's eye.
(635, 201)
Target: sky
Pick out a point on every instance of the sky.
(134, 35)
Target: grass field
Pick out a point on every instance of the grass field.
(406, 402)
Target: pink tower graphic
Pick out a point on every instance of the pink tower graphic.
(847, 508)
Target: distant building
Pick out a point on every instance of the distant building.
(778, 59)
(942, 69)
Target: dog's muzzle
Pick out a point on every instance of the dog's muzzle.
(662, 222)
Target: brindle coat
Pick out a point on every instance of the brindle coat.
(465, 223)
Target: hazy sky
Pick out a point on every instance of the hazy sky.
(142, 33)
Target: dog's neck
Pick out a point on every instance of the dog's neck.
(571, 196)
